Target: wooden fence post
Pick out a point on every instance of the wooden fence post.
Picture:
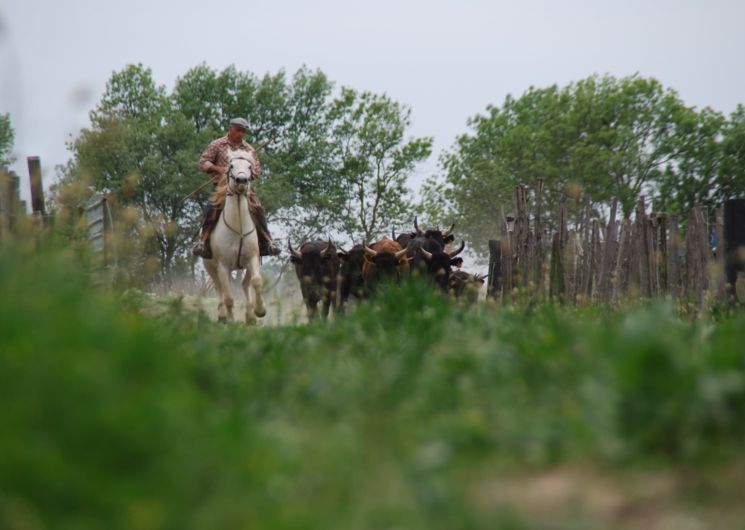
(645, 273)
(495, 268)
(696, 256)
(584, 268)
(609, 255)
(556, 279)
(652, 246)
(538, 251)
(662, 253)
(557, 286)
(673, 258)
(522, 238)
(507, 255)
(734, 243)
(37, 190)
(593, 271)
(721, 287)
(620, 283)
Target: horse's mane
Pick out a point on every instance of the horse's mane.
(221, 191)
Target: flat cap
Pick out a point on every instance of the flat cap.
(239, 122)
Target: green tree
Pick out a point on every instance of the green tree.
(6, 140)
(374, 161)
(731, 174)
(329, 164)
(598, 138)
(142, 151)
(288, 124)
(694, 176)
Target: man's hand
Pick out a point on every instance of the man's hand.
(219, 170)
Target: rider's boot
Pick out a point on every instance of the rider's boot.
(266, 247)
(203, 248)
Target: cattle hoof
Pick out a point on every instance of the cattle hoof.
(222, 320)
(260, 312)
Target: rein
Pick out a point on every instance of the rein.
(239, 232)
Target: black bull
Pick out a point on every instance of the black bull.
(427, 255)
(316, 266)
(350, 274)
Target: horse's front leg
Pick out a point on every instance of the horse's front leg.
(245, 285)
(252, 278)
(225, 309)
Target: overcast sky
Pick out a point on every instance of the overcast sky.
(446, 59)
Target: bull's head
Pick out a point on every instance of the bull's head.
(297, 257)
(384, 265)
(439, 264)
(441, 237)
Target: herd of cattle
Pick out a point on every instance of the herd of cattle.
(332, 276)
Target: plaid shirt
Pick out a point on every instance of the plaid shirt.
(216, 154)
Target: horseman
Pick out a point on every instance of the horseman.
(214, 160)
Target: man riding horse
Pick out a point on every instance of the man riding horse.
(214, 160)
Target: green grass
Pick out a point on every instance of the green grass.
(408, 413)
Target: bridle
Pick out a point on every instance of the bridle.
(238, 180)
(232, 192)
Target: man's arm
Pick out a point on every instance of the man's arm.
(208, 159)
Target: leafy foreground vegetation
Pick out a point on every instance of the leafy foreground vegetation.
(409, 413)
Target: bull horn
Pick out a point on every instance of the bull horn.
(294, 252)
(416, 227)
(460, 249)
(370, 252)
(425, 254)
(449, 231)
(393, 234)
(325, 251)
(401, 253)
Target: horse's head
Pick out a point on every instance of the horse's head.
(239, 170)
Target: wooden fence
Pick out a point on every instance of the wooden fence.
(12, 208)
(95, 211)
(644, 255)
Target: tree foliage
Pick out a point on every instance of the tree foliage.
(6, 140)
(375, 161)
(598, 138)
(331, 163)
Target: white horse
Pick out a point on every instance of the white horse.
(235, 244)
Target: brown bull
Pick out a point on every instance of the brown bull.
(385, 261)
